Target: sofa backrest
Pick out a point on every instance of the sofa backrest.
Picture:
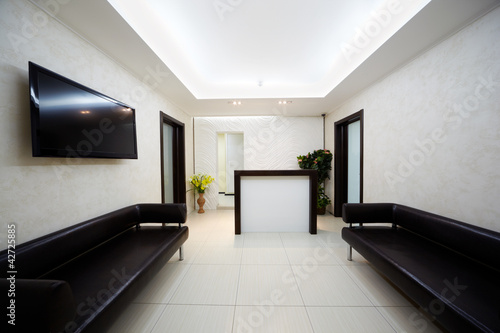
(169, 213)
(475, 242)
(39, 256)
(368, 212)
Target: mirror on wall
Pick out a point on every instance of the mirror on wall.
(229, 158)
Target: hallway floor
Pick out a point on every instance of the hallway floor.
(268, 282)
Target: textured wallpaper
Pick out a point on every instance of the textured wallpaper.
(432, 138)
(270, 143)
(41, 195)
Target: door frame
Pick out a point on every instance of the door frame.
(340, 160)
(179, 158)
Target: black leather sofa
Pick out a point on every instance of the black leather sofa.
(80, 278)
(450, 269)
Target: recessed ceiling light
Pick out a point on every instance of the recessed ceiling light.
(284, 102)
(235, 102)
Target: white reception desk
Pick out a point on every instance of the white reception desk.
(275, 201)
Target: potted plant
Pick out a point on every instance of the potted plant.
(320, 160)
(200, 183)
(323, 200)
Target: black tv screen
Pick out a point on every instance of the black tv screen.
(71, 120)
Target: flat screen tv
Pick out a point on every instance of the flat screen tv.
(71, 120)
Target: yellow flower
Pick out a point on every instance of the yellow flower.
(201, 182)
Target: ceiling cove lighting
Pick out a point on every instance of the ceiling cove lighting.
(284, 102)
(263, 50)
(235, 102)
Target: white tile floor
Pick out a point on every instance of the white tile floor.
(268, 282)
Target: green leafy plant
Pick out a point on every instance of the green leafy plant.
(323, 199)
(320, 160)
(200, 182)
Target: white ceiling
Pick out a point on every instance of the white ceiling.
(253, 49)
(262, 51)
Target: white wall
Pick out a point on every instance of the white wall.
(42, 195)
(221, 161)
(234, 158)
(270, 143)
(432, 129)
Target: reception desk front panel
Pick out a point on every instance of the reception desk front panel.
(275, 201)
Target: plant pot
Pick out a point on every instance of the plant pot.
(201, 202)
(321, 211)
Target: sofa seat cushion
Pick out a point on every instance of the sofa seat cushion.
(427, 271)
(100, 275)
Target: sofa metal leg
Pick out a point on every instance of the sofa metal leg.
(181, 253)
(349, 253)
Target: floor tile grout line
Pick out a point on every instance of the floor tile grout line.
(386, 320)
(159, 317)
(201, 304)
(309, 318)
(295, 278)
(344, 268)
(286, 253)
(237, 288)
(359, 287)
(179, 284)
(187, 270)
(299, 290)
